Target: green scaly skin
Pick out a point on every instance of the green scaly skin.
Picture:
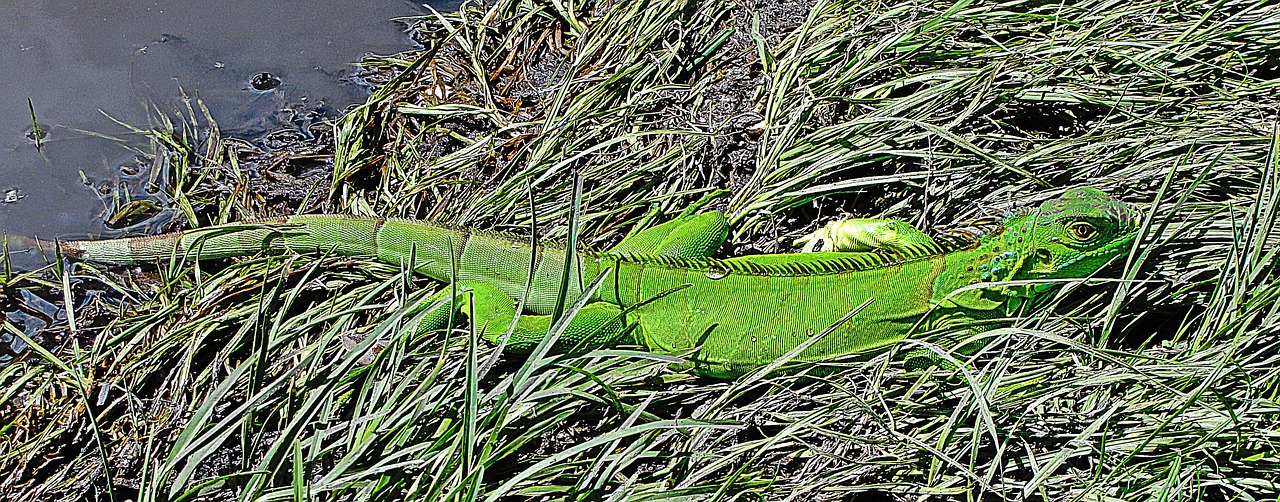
(865, 234)
(663, 291)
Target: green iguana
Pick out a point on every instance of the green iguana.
(663, 291)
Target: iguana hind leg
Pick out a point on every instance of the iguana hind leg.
(595, 325)
(689, 235)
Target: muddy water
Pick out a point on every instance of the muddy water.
(78, 61)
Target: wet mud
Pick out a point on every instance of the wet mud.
(88, 78)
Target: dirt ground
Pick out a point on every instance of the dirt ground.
(289, 171)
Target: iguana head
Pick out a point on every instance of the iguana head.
(1071, 236)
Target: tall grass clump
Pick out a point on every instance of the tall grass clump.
(297, 377)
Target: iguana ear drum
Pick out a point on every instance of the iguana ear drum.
(1044, 258)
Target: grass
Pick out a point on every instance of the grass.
(290, 377)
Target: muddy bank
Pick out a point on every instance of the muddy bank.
(96, 76)
(932, 112)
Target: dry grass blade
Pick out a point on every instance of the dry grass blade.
(271, 379)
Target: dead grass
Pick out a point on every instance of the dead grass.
(273, 378)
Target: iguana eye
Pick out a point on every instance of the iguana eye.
(1082, 231)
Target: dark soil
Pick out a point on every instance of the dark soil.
(290, 171)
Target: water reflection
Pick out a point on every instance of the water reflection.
(76, 61)
(80, 66)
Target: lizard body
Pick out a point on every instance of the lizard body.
(664, 292)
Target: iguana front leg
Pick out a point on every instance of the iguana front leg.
(960, 336)
(867, 234)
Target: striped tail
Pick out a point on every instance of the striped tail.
(344, 235)
(443, 254)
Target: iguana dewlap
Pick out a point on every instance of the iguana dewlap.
(664, 292)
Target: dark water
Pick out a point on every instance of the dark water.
(77, 60)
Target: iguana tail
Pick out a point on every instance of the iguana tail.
(342, 235)
(430, 248)
(441, 253)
